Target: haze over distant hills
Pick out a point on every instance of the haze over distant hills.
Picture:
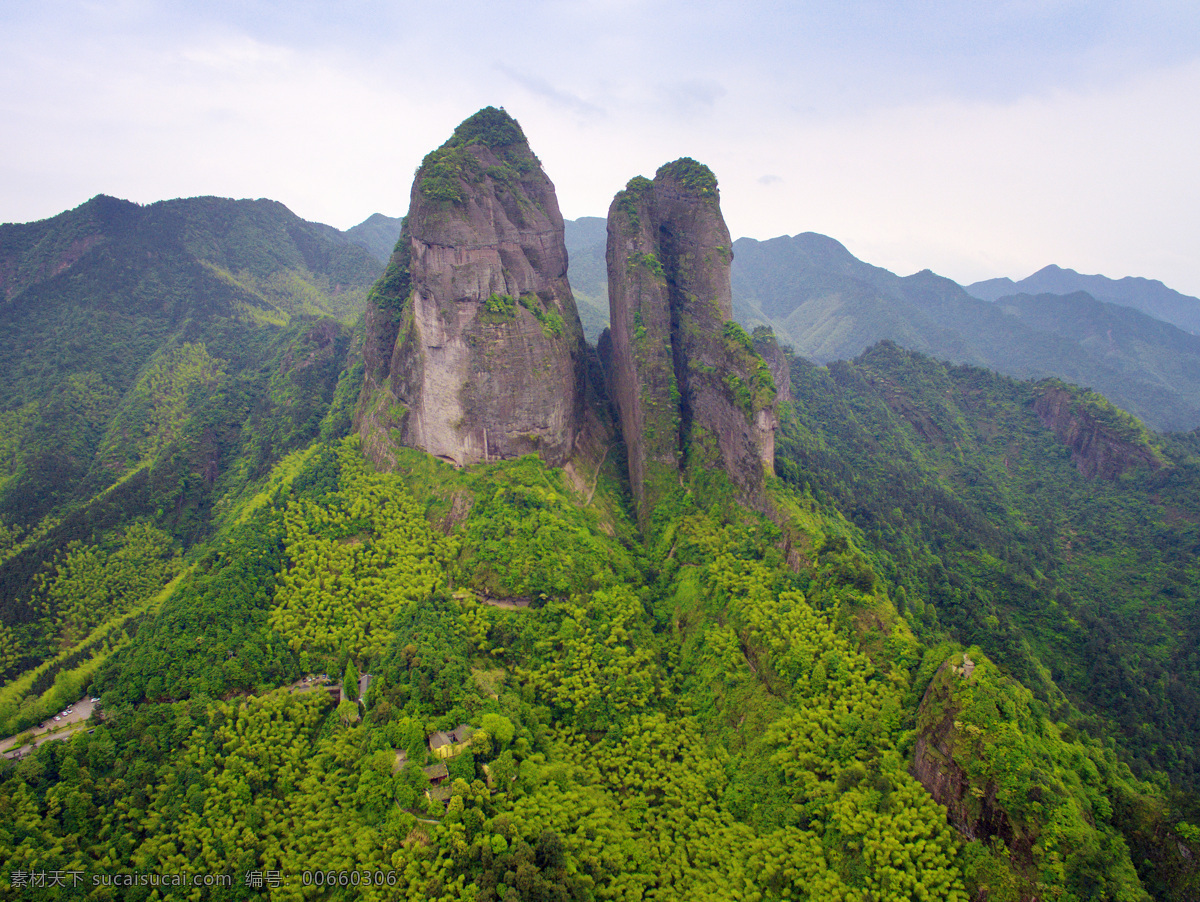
(377, 233)
(1147, 295)
(586, 238)
(831, 305)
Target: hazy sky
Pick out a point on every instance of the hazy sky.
(975, 139)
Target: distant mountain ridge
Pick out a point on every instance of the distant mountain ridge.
(377, 233)
(249, 239)
(830, 305)
(586, 239)
(1147, 295)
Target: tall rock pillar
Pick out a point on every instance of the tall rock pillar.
(474, 350)
(690, 389)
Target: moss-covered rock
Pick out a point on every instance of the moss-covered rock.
(1010, 778)
(1104, 440)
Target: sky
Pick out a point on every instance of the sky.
(974, 139)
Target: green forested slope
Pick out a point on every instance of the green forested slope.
(161, 301)
(1085, 585)
(682, 717)
(607, 783)
(939, 662)
(154, 362)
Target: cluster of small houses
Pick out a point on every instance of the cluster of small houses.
(443, 745)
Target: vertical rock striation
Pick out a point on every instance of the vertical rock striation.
(640, 362)
(689, 387)
(1104, 442)
(473, 349)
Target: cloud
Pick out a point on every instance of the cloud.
(236, 54)
(1101, 181)
(694, 97)
(555, 96)
(978, 143)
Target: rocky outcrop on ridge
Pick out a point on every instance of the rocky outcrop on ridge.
(973, 811)
(767, 346)
(689, 387)
(1104, 441)
(473, 349)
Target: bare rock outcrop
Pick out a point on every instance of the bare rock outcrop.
(473, 349)
(689, 387)
(1104, 441)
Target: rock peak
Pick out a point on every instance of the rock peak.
(691, 175)
(491, 127)
(690, 388)
(474, 350)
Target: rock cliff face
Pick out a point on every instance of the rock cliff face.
(474, 350)
(975, 814)
(1103, 442)
(767, 346)
(689, 387)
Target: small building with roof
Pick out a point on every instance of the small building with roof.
(447, 744)
(437, 773)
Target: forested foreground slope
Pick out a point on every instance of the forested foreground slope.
(719, 708)
(933, 637)
(155, 361)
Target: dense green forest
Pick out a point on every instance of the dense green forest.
(958, 582)
(684, 718)
(679, 718)
(1083, 587)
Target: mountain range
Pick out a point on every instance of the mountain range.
(829, 305)
(376, 580)
(1147, 295)
(155, 356)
